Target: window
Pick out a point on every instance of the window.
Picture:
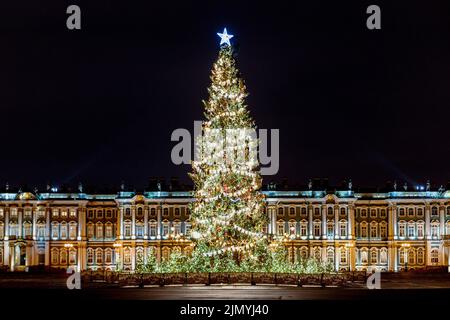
(373, 256)
(383, 230)
(187, 228)
(140, 212)
(364, 256)
(330, 229)
(420, 229)
(420, 256)
(402, 212)
(447, 228)
(317, 254)
(383, 213)
(434, 211)
(165, 229)
(1, 213)
(317, 229)
(73, 213)
(374, 230)
(420, 212)
(73, 230)
(410, 212)
(280, 228)
(165, 253)
(90, 256)
(55, 230)
(291, 211)
(383, 256)
(448, 210)
(363, 213)
(292, 227)
(303, 211)
(330, 256)
(128, 212)
(1, 256)
(401, 229)
(139, 230)
(108, 256)
(41, 231)
(343, 255)
(402, 253)
(90, 231)
(108, 214)
(55, 256)
(304, 253)
(127, 256)
(2, 230)
(434, 230)
(363, 230)
(153, 212)
(343, 212)
(27, 230)
(55, 213)
(64, 213)
(99, 214)
(316, 211)
(63, 230)
(411, 230)
(127, 229)
(343, 229)
(373, 213)
(330, 211)
(303, 228)
(109, 231)
(152, 229)
(411, 256)
(99, 256)
(99, 233)
(280, 211)
(72, 256)
(177, 212)
(91, 214)
(63, 257)
(27, 214)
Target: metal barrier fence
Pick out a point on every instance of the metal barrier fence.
(210, 278)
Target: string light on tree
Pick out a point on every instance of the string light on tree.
(228, 212)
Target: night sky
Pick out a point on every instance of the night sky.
(99, 105)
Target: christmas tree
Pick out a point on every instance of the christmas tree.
(228, 216)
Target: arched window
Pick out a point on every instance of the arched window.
(330, 229)
(363, 227)
(317, 228)
(63, 257)
(55, 256)
(127, 255)
(63, 230)
(98, 256)
(99, 231)
(280, 211)
(165, 253)
(72, 256)
(318, 254)
(100, 214)
(153, 211)
(139, 230)
(383, 256)
(292, 227)
(411, 229)
(434, 256)
(420, 228)
(330, 256)
(140, 212)
(374, 256)
(420, 212)
(72, 230)
(176, 227)
(434, 211)
(402, 212)
(152, 227)
(177, 212)
(402, 229)
(90, 256)
(128, 212)
(383, 229)
(303, 211)
(55, 230)
(363, 256)
(434, 229)
(127, 228)
(342, 228)
(363, 213)
(291, 211)
(420, 256)
(2, 230)
(410, 212)
(343, 255)
(27, 229)
(280, 227)
(343, 212)
(108, 256)
(90, 230)
(411, 256)
(165, 228)
(447, 228)
(330, 211)
(303, 228)
(448, 210)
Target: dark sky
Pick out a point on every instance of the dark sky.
(99, 105)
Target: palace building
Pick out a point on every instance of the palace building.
(388, 230)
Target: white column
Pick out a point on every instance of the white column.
(336, 222)
(145, 227)
(20, 222)
(6, 224)
(310, 221)
(427, 223)
(324, 222)
(133, 222)
(158, 213)
(34, 213)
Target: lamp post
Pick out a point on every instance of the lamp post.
(405, 254)
(68, 246)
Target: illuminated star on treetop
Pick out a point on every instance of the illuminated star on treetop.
(225, 37)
